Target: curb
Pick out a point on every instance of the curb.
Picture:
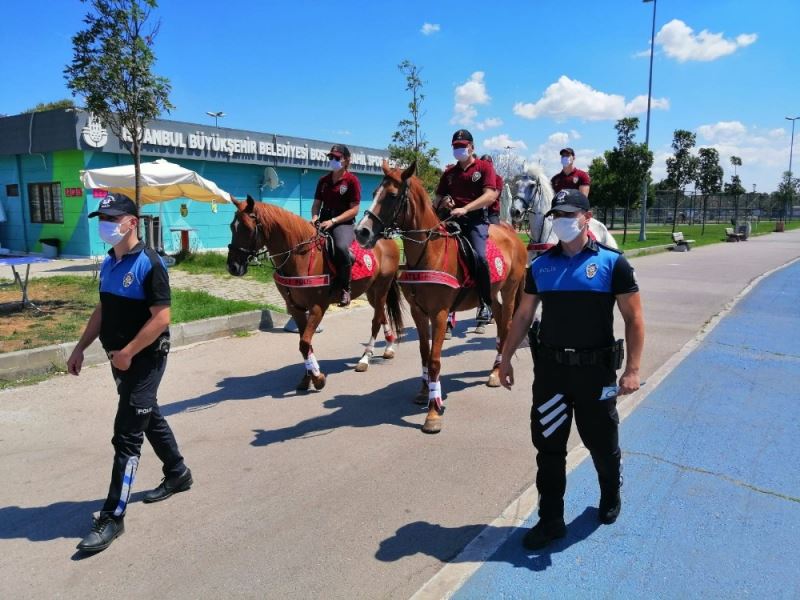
(14, 365)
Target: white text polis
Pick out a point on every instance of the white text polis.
(230, 146)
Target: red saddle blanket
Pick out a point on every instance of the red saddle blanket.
(364, 264)
(497, 271)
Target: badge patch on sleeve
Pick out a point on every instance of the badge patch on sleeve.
(591, 270)
(476, 176)
(127, 280)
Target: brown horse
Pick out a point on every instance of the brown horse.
(296, 249)
(434, 274)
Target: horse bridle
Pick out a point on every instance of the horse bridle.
(249, 253)
(399, 208)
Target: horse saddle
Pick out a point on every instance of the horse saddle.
(467, 257)
(363, 261)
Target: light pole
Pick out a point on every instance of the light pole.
(791, 148)
(643, 223)
(217, 115)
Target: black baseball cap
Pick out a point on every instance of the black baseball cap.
(115, 205)
(569, 151)
(462, 137)
(569, 201)
(339, 151)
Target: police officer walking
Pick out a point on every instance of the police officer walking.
(336, 202)
(132, 321)
(578, 281)
(469, 187)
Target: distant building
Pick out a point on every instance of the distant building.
(42, 154)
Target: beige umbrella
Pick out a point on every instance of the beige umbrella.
(159, 180)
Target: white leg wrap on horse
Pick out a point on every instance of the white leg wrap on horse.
(435, 394)
(388, 334)
(370, 346)
(312, 364)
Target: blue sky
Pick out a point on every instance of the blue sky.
(536, 75)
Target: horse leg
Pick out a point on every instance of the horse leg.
(434, 419)
(389, 336)
(363, 363)
(504, 312)
(313, 373)
(423, 329)
(301, 319)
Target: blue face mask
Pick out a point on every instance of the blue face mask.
(335, 165)
(461, 153)
(565, 161)
(110, 233)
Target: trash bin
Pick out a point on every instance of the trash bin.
(50, 247)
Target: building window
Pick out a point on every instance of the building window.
(45, 202)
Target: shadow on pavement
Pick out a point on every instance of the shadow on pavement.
(58, 520)
(445, 543)
(387, 406)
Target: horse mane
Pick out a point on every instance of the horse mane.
(295, 228)
(536, 171)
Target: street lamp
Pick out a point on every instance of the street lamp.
(791, 148)
(217, 115)
(643, 223)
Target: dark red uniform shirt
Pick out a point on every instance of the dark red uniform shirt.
(573, 181)
(494, 207)
(338, 197)
(464, 186)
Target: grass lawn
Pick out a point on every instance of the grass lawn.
(214, 263)
(67, 302)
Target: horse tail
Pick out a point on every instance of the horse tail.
(394, 308)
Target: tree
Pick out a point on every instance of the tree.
(788, 188)
(508, 164)
(735, 187)
(709, 176)
(408, 142)
(629, 166)
(112, 69)
(602, 191)
(43, 106)
(681, 166)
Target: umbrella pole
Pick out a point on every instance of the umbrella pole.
(160, 227)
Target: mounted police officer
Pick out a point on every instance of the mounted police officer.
(468, 188)
(578, 282)
(336, 202)
(132, 321)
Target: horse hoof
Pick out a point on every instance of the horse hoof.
(318, 381)
(388, 354)
(433, 422)
(305, 383)
(494, 379)
(361, 367)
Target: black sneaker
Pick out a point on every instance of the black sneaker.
(448, 331)
(609, 509)
(169, 486)
(544, 532)
(104, 531)
(484, 314)
(345, 299)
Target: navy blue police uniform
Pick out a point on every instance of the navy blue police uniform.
(128, 288)
(576, 358)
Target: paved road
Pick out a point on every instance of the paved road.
(711, 496)
(333, 494)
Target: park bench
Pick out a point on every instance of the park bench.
(733, 236)
(681, 244)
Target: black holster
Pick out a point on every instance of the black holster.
(533, 338)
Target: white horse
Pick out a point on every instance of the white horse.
(534, 198)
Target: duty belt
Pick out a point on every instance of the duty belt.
(572, 357)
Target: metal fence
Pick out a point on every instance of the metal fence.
(692, 209)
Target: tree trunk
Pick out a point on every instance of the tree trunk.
(675, 213)
(625, 221)
(137, 170)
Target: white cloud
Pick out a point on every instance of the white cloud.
(547, 153)
(488, 123)
(681, 43)
(429, 28)
(723, 130)
(503, 141)
(568, 98)
(467, 95)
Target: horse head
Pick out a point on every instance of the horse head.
(538, 198)
(246, 237)
(521, 201)
(390, 204)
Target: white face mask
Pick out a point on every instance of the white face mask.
(110, 233)
(566, 229)
(566, 161)
(461, 153)
(335, 165)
